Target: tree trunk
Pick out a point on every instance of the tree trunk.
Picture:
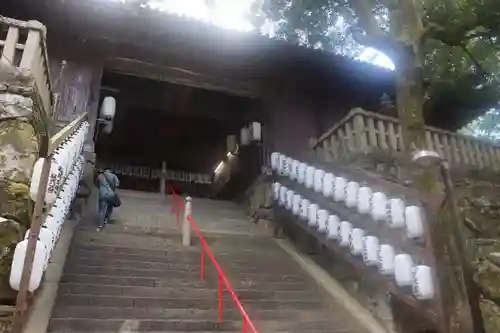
(455, 316)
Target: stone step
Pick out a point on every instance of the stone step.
(179, 292)
(132, 281)
(209, 282)
(227, 265)
(96, 250)
(229, 313)
(326, 325)
(131, 241)
(192, 325)
(125, 301)
(174, 274)
(177, 257)
(114, 324)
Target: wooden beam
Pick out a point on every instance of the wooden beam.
(179, 76)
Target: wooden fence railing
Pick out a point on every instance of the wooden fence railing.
(24, 48)
(362, 131)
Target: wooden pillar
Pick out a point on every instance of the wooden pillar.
(163, 177)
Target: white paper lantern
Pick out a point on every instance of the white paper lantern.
(283, 190)
(396, 213)
(55, 175)
(288, 166)
(304, 209)
(302, 173)
(371, 248)
(289, 199)
(339, 189)
(52, 224)
(379, 206)
(45, 236)
(351, 199)
(322, 220)
(386, 257)
(310, 176)
(403, 270)
(281, 164)
(319, 176)
(296, 204)
(423, 286)
(333, 227)
(364, 200)
(108, 107)
(313, 215)
(276, 190)
(414, 222)
(328, 184)
(39, 264)
(294, 170)
(256, 131)
(245, 136)
(356, 242)
(275, 161)
(345, 233)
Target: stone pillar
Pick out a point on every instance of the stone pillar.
(186, 225)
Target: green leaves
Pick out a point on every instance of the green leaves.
(461, 50)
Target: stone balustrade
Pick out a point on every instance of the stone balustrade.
(24, 49)
(362, 131)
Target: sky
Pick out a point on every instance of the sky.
(233, 14)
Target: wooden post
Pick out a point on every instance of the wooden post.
(36, 224)
(186, 227)
(163, 177)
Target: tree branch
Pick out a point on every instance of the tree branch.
(366, 18)
(476, 63)
(374, 36)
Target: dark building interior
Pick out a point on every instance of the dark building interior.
(159, 122)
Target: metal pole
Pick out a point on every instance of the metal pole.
(219, 297)
(202, 264)
(36, 223)
(186, 227)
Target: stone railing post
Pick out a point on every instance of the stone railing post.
(186, 227)
(360, 138)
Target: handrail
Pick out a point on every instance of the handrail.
(222, 281)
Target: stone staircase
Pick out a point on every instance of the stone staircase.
(132, 278)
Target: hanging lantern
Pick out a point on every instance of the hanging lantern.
(231, 144)
(328, 183)
(322, 220)
(403, 270)
(256, 131)
(245, 136)
(371, 248)
(108, 108)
